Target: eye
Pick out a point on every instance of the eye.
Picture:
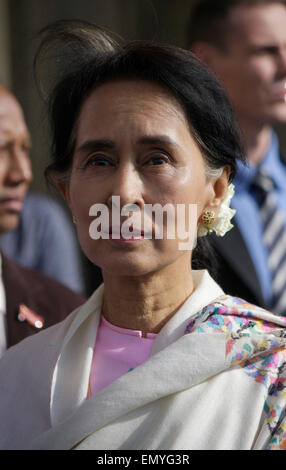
(98, 160)
(157, 159)
(4, 147)
(266, 50)
(26, 148)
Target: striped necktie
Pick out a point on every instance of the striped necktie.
(274, 237)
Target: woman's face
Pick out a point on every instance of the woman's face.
(133, 141)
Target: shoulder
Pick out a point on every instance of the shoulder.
(49, 341)
(26, 353)
(41, 204)
(227, 305)
(35, 285)
(234, 304)
(255, 339)
(227, 311)
(45, 214)
(251, 332)
(282, 154)
(26, 373)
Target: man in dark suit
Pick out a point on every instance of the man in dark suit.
(244, 43)
(29, 300)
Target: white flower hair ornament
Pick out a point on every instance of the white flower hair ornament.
(220, 224)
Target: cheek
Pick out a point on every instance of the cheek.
(82, 195)
(4, 169)
(261, 72)
(189, 186)
(192, 194)
(243, 81)
(80, 206)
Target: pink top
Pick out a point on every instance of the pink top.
(117, 351)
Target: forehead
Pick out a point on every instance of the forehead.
(131, 93)
(258, 24)
(12, 119)
(126, 100)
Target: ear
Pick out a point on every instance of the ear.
(63, 187)
(207, 53)
(220, 186)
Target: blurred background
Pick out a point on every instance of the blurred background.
(21, 20)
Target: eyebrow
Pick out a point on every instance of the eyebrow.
(99, 144)
(158, 140)
(7, 140)
(103, 144)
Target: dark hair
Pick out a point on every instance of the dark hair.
(85, 56)
(95, 58)
(208, 20)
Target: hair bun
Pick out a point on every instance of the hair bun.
(66, 46)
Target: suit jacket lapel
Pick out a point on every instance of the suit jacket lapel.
(16, 293)
(233, 248)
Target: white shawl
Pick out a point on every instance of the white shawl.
(186, 396)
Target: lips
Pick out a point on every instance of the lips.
(117, 233)
(280, 95)
(14, 204)
(279, 91)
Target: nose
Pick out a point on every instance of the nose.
(19, 169)
(282, 62)
(127, 184)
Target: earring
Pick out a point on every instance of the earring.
(207, 217)
(74, 219)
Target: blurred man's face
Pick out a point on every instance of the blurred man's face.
(253, 68)
(15, 166)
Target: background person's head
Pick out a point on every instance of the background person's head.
(142, 121)
(15, 166)
(244, 43)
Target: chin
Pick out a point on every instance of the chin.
(8, 223)
(278, 114)
(125, 272)
(124, 267)
(141, 262)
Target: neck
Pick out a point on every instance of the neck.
(146, 302)
(256, 139)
